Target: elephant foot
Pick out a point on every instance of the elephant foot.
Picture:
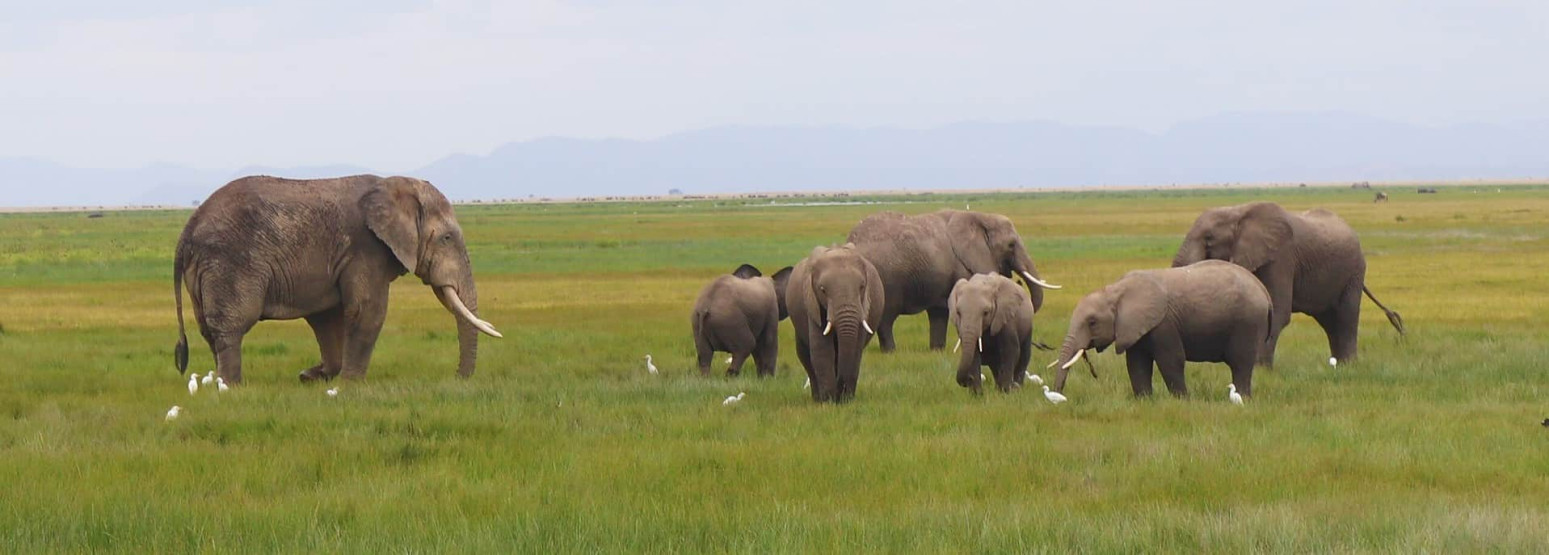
(315, 373)
(733, 372)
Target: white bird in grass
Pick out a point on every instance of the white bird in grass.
(1035, 379)
(173, 412)
(728, 360)
(208, 378)
(1334, 362)
(193, 384)
(1053, 396)
(220, 385)
(333, 392)
(733, 399)
(649, 366)
(1231, 393)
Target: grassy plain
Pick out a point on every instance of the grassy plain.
(562, 443)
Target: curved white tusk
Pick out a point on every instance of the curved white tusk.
(828, 328)
(958, 345)
(455, 304)
(981, 344)
(1051, 364)
(1073, 359)
(868, 327)
(1041, 283)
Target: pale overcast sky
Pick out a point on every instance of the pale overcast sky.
(394, 84)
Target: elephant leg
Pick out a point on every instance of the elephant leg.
(365, 310)
(226, 313)
(739, 341)
(938, 327)
(1170, 363)
(825, 382)
(885, 332)
(768, 348)
(228, 355)
(1341, 323)
(1006, 357)
(702, 349)
(737, 359)
(328, 328)
(1280, 297)
(1024, 358)
(1139, 363)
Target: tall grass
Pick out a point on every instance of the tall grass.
(561, 441)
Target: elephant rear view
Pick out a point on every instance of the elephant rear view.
(266, 248)
(833, 296)
(920, 258)
(1310, 262)
(740, 313)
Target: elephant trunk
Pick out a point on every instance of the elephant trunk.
(968, 365)
(848, 330)
(1192, 250)
(1068, 351)
(463, 302)
(1025, 268)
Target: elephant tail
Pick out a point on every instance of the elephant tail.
(1393, 317)
(179, 353)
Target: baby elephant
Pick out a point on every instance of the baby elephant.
(1210, 311)
(994, 319)
(740, 313)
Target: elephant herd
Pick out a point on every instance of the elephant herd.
(325, 250)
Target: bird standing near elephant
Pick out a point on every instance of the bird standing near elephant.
(994, 320)
(834, 295)
(740, 313)
(920, 258)
(1310, 262)
(1210, 311)
(266, 248)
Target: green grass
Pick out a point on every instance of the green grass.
(562, 442)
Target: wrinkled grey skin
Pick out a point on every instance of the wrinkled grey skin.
(921, 257)
(740, 313)
(838, 286)
(266, 248)
(1310, 262)
(1211, 311)
(994, 309)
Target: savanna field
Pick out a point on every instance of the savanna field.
(563, 443)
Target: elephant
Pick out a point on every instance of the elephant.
(1310, 262)
(992, 307)
(740, 313)
(1210, 311)
(921, 257)
(833, 295)
(267, 248)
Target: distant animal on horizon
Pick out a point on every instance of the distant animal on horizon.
(266, 248)
(834, 294)
(994, 320)
(740, 313)
(1310, 262)
(1380, 197)
(1209, 311)
(1426, 190)
(920, 258)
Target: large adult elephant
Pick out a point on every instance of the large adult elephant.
(1310, 262)
(921, 257)
(266, 248)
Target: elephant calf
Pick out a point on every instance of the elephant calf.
(834, 295)
(740, 313)
(1210, 311)
(994, 320)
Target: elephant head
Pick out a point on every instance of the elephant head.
(978, 307)
(1119, 315)
(843, 296)
(989, 244)
(416, 223)
(1248, 235)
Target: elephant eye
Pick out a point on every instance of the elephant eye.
(446, 238)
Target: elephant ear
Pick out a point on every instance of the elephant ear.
(781, 279)
(393, 212)
(1261, 232)
(1138, 309)
(957, 289)
(871, 307)
(747, 271)
(1009, 299)
(971, 243)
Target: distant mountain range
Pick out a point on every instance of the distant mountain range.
(1236, 147)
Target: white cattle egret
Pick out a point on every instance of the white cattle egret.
(193, 384)
(208, 378)
(333, 392)
(220, 385)
(173, 412)
(649, 366)
(1333, 361)
(1231, 393)
(1053, 396)
(728, 360)
(1035, 379)
(733, 399)
(808, 384)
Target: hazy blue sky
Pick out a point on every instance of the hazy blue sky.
(394, 84)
